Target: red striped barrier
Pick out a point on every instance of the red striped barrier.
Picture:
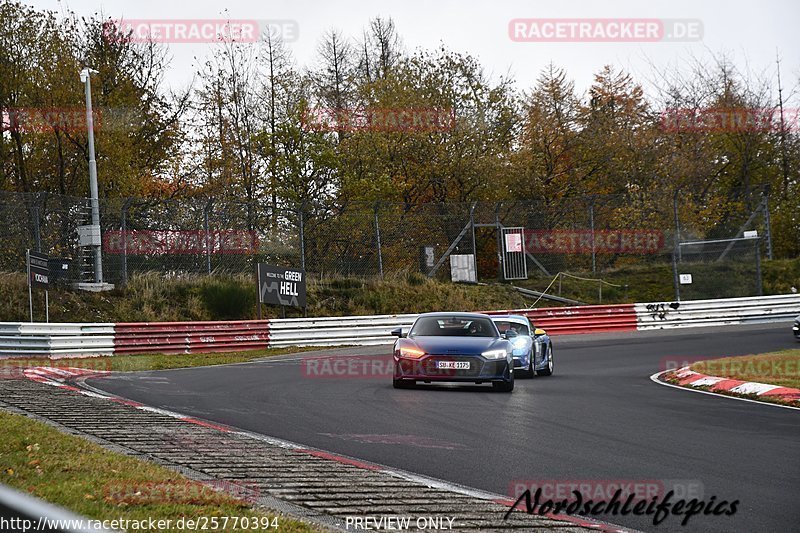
(584, 319)
(191, 337)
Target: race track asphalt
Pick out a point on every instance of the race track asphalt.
(599, 417)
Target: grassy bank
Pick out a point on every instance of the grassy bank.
(96, 483)
(154, 297)
(151, 297)
(133, 363)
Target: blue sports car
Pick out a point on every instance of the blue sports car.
(532, 348)
(458, 347)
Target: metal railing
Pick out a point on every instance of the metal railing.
(79, 340)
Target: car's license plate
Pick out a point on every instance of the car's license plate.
(453, 365)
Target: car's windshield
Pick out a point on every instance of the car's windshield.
(505, 325)
(453, 326)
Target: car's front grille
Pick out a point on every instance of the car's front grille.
(428, 366)
(475, 366)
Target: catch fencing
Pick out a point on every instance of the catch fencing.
(192, 235)
(79, 340)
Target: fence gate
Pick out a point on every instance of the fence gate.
(514, 264)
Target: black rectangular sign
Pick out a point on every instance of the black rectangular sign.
(38, 269)
(281, 285)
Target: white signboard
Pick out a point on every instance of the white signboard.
(685, 279)
(513, 242)
(462, 268)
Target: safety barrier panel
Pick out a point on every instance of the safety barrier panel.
(584, 319)
(79, 340)
(336, 331)
(191, 337)
(66, 339)
(693, 313)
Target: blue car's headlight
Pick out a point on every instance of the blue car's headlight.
(495, 354)
(413, 353)
(519, 351)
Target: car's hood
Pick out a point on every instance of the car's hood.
(458, 345)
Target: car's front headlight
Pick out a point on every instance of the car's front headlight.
(519, 342)
(413, 353)
(495, 354)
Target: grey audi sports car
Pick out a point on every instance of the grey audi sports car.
(459, 347)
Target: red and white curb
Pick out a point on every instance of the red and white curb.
(690, 380)
(62, 377)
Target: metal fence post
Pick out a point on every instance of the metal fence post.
(302, 237)
(124, 231)
(759, 288)
(474, 246)
(676, 249)
(378, 240)
(499, 231)
(591, 225)
(767, 230)
(37, 231)
(206, 210)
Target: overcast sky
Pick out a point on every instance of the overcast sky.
(749, 33)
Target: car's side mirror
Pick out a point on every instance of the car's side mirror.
(398, 333)
(539, 332)
(510, 334)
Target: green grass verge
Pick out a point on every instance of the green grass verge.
(96, 483)
(132, 363)
(155, 297)
(777, 368)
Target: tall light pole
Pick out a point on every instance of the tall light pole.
(95, 201)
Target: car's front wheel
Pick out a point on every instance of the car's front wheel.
(504, 386)
(548, 370)
(529, 371)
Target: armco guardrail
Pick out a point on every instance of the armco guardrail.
(68, 339)
(332, 331)
(583, 319)
(693, 313)
(75, 340)
(191, 337)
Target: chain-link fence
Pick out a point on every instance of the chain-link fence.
(719, 268)
(588, 234)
